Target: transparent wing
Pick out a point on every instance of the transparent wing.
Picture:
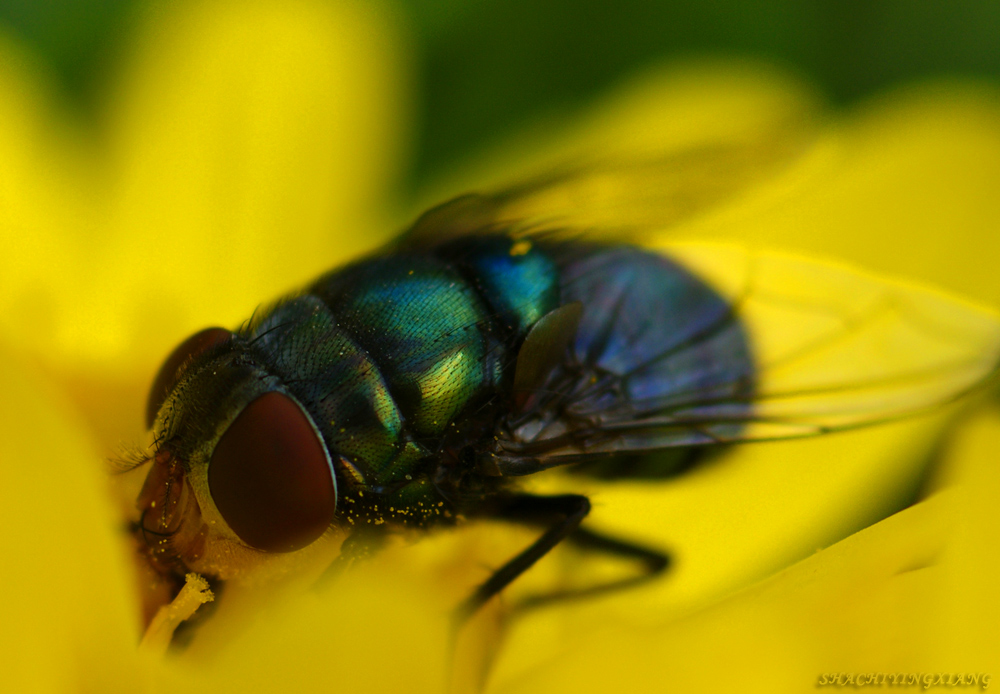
(620, 197)
(827, 348)
(835, 347)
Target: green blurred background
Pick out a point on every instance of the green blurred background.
(486, 67)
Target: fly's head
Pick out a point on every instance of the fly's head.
(240, 479)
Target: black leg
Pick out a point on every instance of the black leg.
(562, 515)
(654, 563)
(364, 542)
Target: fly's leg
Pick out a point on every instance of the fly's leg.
(653, 563)
(562, 515)
(472, 656)
(363, 543)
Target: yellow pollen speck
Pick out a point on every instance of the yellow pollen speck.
(520, 248)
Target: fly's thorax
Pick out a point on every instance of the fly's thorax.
(405, 359)
(344, 390)
(517, 279)
(439, 328)
(424, 328)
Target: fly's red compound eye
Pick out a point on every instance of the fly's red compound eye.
(166, 377)
(270, 476)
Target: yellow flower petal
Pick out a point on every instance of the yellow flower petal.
(837, 611)
(253, 143)
(243, 135)
(70, 620)
(41, 167)
(245, 152)
(376, 630)
(912, 595)
(905, 186)
(968, 598)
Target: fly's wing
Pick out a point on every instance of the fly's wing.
(707, 344)
(620, 196)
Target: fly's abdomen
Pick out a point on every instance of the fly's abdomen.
(659, 360)
(657, 327)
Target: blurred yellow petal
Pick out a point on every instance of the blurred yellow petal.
(245, 150)
(968, 597)
(380, 629)
(754, 511)
(70, 621)
(249, 147)
(907, 185)
(42, 200)
(912, 595)
(253, 144)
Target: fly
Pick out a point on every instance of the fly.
(414, 387)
